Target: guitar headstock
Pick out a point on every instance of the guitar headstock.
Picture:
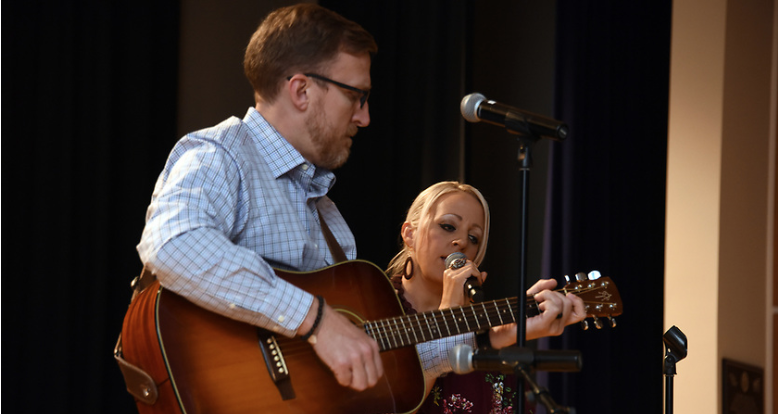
(600, 295)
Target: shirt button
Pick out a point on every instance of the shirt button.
(281, 319)
(305, 167)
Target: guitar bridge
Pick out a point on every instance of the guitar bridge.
(276, 365)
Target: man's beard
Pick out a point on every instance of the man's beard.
(332, 153)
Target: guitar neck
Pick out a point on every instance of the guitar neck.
(412, 329)
(600, 298)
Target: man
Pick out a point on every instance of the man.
(240, 198)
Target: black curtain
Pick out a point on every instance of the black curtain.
(90, 97)
(607, 194)
(413, 140)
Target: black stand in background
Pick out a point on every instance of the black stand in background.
(676, 350)
(525, 164)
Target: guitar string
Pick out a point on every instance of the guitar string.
(391, 335)
(471, 317)
(385, 335)
(474, 316)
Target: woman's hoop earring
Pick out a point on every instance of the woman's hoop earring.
(406, 274)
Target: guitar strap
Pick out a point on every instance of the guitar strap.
(335, 249)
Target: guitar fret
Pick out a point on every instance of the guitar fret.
(386, 333)
(455, 320)
(465, 318)
(443, 315)
(535, 306)
(379, 335)
(368, 331)
(510, 309)
(373, 331)
(393, 336)
(429, 328)
(405, 329)
(498, 312)
(418, 323)
(437, 327)
(413, 331)
(488, 322)
(398, 332)
(475, 316)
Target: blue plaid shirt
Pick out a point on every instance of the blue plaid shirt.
(232, 202)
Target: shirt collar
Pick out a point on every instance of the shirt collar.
(283, 158)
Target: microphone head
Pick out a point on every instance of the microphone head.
(461, 358)
(469, 106)
(456, 260)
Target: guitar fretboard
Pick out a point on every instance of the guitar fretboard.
(600, 297)
(421, 327)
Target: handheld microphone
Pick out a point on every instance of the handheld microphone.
(472, 287)
(464, 360)
(475, 107)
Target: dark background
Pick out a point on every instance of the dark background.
(93, 107)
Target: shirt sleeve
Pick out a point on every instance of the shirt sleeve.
(193, 216)
(434, 354)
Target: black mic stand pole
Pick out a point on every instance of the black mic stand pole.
(525, 164)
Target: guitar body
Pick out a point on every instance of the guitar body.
(203, 362)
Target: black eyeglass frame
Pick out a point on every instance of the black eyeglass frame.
(362, 99)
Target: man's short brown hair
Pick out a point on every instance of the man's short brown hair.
(299, 39)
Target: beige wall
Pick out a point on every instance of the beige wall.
(718, 191)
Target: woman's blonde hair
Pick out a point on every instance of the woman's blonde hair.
(421, 208)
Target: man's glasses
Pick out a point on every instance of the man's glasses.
(362, 99)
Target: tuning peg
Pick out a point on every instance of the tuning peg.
(581, 276)
(597, 322)
(585, 325)
(594, 275)
(612, 321)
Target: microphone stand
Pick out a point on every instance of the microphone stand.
(676, 349)
(525, 165)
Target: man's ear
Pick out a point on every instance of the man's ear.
(408, 233)
(297, 89)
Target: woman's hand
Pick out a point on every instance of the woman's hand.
(454, 285)
(557, 311)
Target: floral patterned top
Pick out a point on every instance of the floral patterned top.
(476, 392)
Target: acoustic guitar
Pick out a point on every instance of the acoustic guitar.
(202, 362)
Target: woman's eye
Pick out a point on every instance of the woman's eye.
(473, 239)
(447, 227)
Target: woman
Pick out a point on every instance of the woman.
(452, 217)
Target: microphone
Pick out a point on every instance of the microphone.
(472, 286)
(464, 360)
(475, 107)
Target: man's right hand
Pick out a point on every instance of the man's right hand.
(348, 351)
